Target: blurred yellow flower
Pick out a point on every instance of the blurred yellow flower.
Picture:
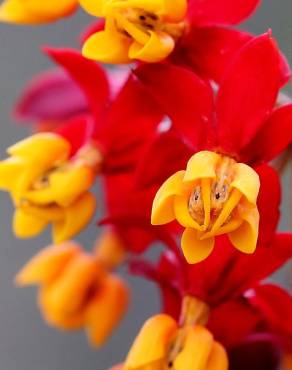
(49, 187)
(35, 11)
(144, 30)
(76, 291)
(214, 196)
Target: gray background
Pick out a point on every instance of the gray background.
(26, 343)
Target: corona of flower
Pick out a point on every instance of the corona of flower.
(34, 11)
(49, 187)
(135, 30)
(214, 196)
(76, 291)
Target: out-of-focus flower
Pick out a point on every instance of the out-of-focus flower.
(219, 188)
(49, 187)
(34, 11)
(190, 32)
(76, 291)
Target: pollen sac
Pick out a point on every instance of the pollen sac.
(214, 196)
(48, 186)
(137, 30)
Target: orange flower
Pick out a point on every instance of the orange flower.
(76, 291)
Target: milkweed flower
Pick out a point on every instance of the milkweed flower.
(162, 343)
(150, 31)
(34, 11)
(49, 187)
(230, 134)
(76, 291)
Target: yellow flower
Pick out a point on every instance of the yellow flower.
(35, 11)
(155, 345)
(214, 196)
(144, 30)
(76, 291)
(49, 187)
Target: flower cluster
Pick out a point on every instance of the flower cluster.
(182, 140)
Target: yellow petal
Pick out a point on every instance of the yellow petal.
(118, 367)
(64, 185)
(218, 359)
(10, 172)
(174, 11)
(247, 181)
(106, 309)
(56, 318)
(76, 218)
(95, 8)
(182, 214)
(162, 209)
(47, 264)
(70, 291)
(195, 249)
(157, 48)
(202, 165)
(110, 249)
(34, 11)
(108, 46)
(43, 147)
(151, 6)
(26, 225)
(196, 350)
(245, 237)
(152, 343)
(206, 196)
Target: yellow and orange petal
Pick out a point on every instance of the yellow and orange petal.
(35, 11)
(162, 344)
(136, 30)
(214, 196)
(47, 265)
(106, 309)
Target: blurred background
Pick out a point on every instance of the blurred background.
(26, 342)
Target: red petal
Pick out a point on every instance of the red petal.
(51, 96)
(214, 12)
(273, 138)
(269, 200)
(232, 322)
(209, 50)
(131, 119)
(164, 160)
(248, 93)
(248, 270)
(183, 97)
(88, 75)
(275, 304)
(77, 131)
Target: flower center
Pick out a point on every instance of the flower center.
(137, 23)
(213, 201)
